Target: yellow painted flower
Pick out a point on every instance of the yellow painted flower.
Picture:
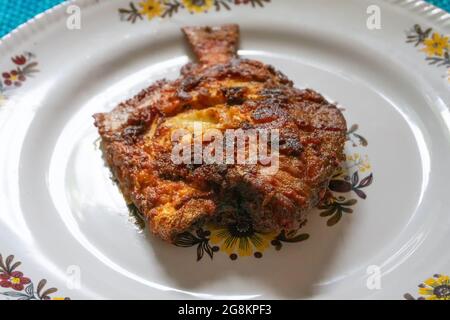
(435, 45)
(364, 167)
(353, 157)
(197, 6)
(240, 239)
(436, 288)
(150, 8)
(362, 162)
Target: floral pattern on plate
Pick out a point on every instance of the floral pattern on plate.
(434, 45)
(14, 285)
(24, 67)
(351, 179)
(151, 9)
(434, 288)
(241, 240)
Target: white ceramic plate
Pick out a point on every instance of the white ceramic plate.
(64, 219)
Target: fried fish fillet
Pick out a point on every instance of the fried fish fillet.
(222, 91)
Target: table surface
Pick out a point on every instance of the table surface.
(15, 12)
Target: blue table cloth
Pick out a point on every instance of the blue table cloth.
(15, 12)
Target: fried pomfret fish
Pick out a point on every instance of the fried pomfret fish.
(221, 91)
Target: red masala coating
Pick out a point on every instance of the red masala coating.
(223, 92)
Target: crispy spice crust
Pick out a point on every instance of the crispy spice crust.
(223, 92)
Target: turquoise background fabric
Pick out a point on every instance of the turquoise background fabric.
(15, 12)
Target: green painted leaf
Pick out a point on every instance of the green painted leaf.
(14, 294)
(48, 292)
(41, 286)
(298, 238)
(199, 252)
(347, 210)
(328, 212)
(361, 139)
(353, 128)
(350, 202)
(355, 178)
(334, 219)
(30, 290)
(186, 239)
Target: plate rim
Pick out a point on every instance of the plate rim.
(432, 14)
(421, 8)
